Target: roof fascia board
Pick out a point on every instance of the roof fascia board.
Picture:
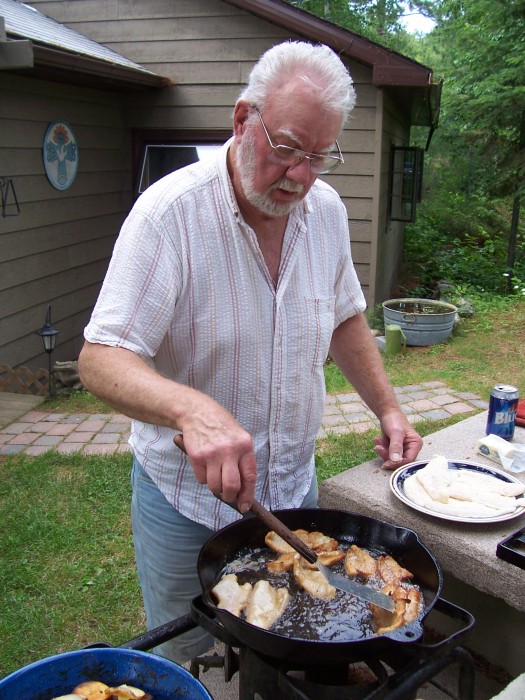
(389, 67)
(80, 64)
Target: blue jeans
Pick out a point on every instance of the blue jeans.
(167, 545)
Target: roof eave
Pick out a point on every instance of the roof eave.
(389, 68)
(79, 67)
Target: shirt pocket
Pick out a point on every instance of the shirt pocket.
(320, 315)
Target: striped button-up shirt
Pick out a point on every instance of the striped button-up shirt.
(188, 290)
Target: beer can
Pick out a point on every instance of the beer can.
(503, 406)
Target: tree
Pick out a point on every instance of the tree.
(475, 169)
(480, 46)
(378, 20)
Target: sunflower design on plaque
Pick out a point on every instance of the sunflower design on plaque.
(60, 154)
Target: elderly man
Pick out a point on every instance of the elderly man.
(229, 284)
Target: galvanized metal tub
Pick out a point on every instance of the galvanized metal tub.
(423, 321)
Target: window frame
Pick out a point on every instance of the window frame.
(405, 182)
(140, 138)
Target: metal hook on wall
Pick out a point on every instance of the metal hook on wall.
(6, 186)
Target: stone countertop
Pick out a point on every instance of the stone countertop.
(467, 551)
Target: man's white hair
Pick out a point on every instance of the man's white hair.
(319, 62)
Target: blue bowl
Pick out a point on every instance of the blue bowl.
(58, 675)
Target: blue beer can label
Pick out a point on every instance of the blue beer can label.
(503, 405)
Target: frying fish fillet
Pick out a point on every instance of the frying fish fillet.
(407, 602)
(390, 571)
(276, 542)
(315, 540)
(321, 543)
(285, 561)
(230, 595)
(328, 558)
(358, 561)
(312, 581)
(266, 604)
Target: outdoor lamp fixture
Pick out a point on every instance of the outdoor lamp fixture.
(48, 333)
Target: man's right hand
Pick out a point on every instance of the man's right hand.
(219, 449)
(221, 454)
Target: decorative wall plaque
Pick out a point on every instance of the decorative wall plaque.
(60, 154)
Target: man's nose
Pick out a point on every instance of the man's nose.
(301, 172)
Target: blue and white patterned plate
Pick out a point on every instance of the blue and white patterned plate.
(399, 476)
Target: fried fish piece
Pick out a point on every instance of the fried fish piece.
(413, 605)
(320, 542)
(276, 542)
(359, 562)
(329, 558)
(266, 604)
(390, 571)
(315, 540)
(310, 580)
(93, 690)
(407, 603)
(230, 595)
(284, 562)
(129, 692)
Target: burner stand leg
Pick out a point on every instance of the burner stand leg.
(229, 662)
(414, 679)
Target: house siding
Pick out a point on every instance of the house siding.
(389, 239)
(207, 47)
(57, 249)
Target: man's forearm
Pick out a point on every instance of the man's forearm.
(219, 449)
(126, 383)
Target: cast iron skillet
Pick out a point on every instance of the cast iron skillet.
(348, 528)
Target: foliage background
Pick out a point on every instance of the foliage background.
(468, 228)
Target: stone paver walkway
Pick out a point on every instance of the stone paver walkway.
(427, 401)
(37, 431)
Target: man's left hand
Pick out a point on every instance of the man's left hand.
(399, 444)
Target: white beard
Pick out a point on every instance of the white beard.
(247, 168)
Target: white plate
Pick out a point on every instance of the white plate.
(398, 478)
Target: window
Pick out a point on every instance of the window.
(157, 153)
(405, 184)
(163, 159)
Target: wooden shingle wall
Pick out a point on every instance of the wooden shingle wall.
(207, 47)
(57, 249)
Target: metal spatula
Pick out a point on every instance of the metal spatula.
(342, 583)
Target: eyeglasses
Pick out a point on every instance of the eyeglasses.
(286, 155)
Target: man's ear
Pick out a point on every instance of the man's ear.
(240, 115)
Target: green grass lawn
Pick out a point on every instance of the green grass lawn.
(68, 575)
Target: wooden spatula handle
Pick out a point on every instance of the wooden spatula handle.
(268, 518)
(280, 528)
